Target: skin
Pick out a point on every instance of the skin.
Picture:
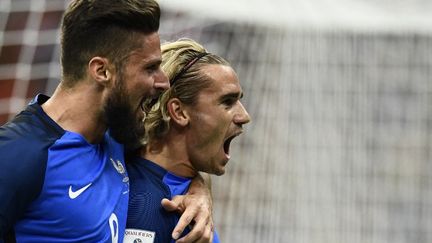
(203, 227)
(144, 72)
(141, 78)
(198, 133)
(217, 116)
(195, 141)
(88, 96)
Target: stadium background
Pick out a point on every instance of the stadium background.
(340, 95)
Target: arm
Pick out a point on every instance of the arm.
(22, 163)
(196, 207)
(20, 184)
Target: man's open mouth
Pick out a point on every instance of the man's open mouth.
(228, 141)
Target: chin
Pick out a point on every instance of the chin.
(219, 172)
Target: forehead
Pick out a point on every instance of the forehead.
(148, 50)
(224, 79)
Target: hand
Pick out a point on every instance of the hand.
(194, 213)
(196, 209)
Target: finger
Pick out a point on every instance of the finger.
(207, 237)
(170, 205)
(185, 220)
(200, 232)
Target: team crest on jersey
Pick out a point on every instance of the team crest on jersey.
(120, 169)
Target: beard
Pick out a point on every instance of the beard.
(122, 119)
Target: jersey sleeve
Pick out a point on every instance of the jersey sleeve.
(22, 172)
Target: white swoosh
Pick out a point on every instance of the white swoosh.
(74, 194)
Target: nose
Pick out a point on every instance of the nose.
(161, 81)
(242, 116)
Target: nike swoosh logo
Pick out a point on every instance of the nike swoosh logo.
(75, 194)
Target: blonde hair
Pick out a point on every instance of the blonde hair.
(175, 56)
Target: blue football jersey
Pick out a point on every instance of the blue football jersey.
(147, 221)
(57, 187)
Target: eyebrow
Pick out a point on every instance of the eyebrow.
(157, 62)
(234, 95)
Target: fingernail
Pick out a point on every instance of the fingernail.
(175, 235)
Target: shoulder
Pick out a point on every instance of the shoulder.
(24, 144)
(142, 179)
(146, 176)
(146, 192)
(25, 140)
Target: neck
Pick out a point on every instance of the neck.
(170, 153)
(78, 109)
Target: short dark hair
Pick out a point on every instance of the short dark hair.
(104, 28)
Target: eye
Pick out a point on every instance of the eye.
(229, 102)
(152, 68)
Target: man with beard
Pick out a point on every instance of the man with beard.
(62, 176)
(189, 129)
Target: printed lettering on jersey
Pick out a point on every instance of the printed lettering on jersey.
(138, 236)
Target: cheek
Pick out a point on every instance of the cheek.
(139, 82)
(139, 89)
(210, 133)
(146, 82)
(209, 124)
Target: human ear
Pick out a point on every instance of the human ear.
(177, 112)
(99, 70)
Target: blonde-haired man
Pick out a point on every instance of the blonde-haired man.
(189, 130)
